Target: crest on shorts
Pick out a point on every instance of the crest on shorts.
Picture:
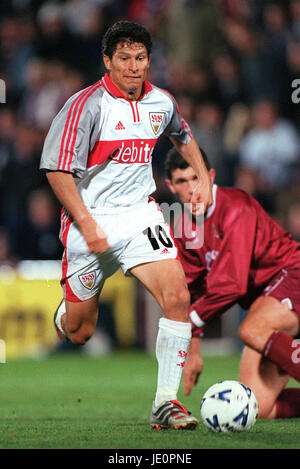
(156, 120)
(88, 280)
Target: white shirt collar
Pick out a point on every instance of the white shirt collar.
(211, 209)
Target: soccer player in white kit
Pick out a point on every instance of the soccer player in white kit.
(97, 155)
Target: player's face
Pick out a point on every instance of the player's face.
(128, 68)
(183, 183)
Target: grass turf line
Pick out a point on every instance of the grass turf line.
(72, 401)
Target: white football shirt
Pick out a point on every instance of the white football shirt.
(107, 141)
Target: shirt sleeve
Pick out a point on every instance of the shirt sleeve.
(178, 127)
(71, 137)
(227, 279)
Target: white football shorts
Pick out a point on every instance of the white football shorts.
(136, 235)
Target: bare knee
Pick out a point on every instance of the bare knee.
(250, 335)
(176, 303)
(81, 320)
(265, 316)
(81, 335)
(245, 334)
(254, 334)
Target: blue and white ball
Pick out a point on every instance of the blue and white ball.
(229, 406)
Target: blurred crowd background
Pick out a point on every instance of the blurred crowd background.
(231, 65)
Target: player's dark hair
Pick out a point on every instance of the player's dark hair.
(174, 160)
(125, 31)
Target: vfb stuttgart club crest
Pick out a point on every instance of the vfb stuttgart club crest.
(156, 120)
(88, 280)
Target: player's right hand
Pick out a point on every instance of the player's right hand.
(94, 236)
(192, 369)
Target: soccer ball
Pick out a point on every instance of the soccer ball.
(229, 406)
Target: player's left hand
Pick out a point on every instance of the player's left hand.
(192, 369)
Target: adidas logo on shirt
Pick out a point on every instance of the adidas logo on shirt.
(119, 126)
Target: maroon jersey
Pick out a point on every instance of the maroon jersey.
(243, 250)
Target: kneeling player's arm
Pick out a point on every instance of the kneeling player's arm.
(193, 366)
(191, 153)
(227, 279)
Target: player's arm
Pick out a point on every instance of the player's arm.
(193, 366)
(203, 191)
(227, 279)
(195, 276)
(225, 282)
(65, 153)
(65, 189)
(182, 138)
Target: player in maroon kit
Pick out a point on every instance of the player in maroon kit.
(246, 258)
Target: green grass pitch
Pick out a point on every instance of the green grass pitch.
(72, 401)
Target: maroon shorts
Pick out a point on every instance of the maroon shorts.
(285, 287)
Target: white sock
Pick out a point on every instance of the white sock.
(172, 345)
(61, 310)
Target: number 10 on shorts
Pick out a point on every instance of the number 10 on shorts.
(159, 235)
